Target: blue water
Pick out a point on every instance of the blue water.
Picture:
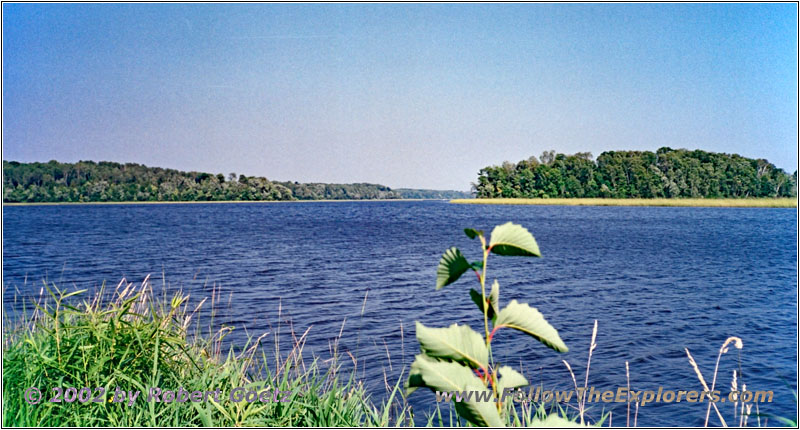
(658, 280)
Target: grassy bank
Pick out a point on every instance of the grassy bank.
(738, 203)
(134, 343)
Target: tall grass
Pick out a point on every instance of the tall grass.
(131, 340)
(134, 342)
(744, 203)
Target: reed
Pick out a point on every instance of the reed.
(581, 393)
(133, 339)
(136, 341)
(677, 202)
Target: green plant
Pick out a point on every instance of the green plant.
(138, 341)
(457, 358)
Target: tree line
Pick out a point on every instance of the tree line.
(666, 173)
(89, 181)
(414, 193)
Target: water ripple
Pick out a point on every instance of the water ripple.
(658, 280)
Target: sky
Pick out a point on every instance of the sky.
(405, 95)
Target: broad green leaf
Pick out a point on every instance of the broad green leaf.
(476, 297)
(477, 265)
(457, 342)
(414, 380)
(446, 376)
(472, 233)
(509, 378)
(524, 318)
(480, 413)
(451, 267)
(494, 300)
(513, 239)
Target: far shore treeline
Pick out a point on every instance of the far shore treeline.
(89, 181)
(666, 173)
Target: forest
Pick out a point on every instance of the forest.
(666, 173)
(414, 193)
(89, 181)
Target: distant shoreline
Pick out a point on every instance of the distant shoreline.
(740, 203)
(214, 202)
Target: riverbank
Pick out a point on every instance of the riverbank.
(143, 361)
(733, 203)
(215, 202)
(140, 360)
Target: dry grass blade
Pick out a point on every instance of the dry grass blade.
(722, 350)
(574, 382)
(742, 418)
(592, 346)
(735, 388)
(705, 386)
(388, 356)
(572, 374)
(197, 308)
(628, 378)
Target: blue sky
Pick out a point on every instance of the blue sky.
(407, 95)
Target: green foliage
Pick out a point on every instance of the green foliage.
(513, 239)
(413, 193)
(442, 375)
(362, 191)
(472, 233)
(451, 267)
(667, 173)
(510, 378)
(136, 342)
(454, 343)
(493, 300)
(87, 181)
(457, 358)
(522, 317)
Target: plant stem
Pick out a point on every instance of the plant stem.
(483, 296)
(491, 375)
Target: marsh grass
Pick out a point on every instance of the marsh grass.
(134, 341)
(742, 408)
(131, 339)
(679, 202)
